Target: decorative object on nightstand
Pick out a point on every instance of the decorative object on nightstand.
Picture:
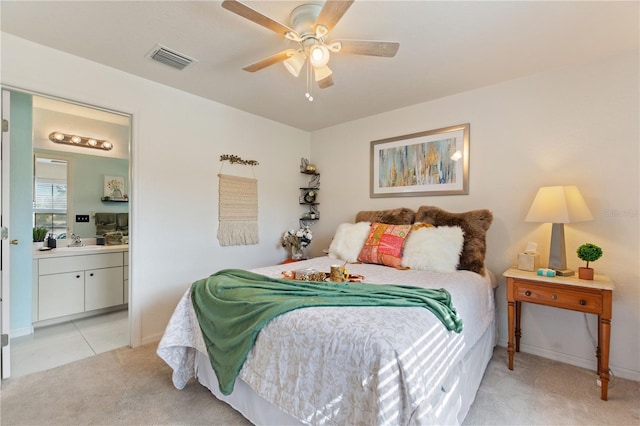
(529, 260)
(589, 253)
(558, 205)
(589, 297)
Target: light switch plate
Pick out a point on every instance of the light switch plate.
(82, 218)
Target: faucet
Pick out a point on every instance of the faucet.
(77, 242)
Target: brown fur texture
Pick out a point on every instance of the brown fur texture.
(401, 216)
(474, 224)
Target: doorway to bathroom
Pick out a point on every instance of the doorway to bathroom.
(72, 189)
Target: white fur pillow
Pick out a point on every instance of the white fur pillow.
(348, 241)
(435, 249)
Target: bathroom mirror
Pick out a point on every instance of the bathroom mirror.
(88, 170)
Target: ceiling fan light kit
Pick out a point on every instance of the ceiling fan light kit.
(295, 63)
(322, 72)
(309, 25)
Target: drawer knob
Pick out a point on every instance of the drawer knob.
(527, 293)
(582, 302)
(554, 297)
(77, 276)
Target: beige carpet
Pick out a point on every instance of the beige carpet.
(133, 387)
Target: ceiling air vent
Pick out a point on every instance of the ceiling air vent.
(169, 57)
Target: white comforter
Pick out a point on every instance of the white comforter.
(355, 365)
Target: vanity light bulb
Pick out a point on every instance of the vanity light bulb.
(107, 145)
(76, 139)
(58, 136)
(92, 142)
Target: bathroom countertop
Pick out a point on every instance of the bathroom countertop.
(78, 251)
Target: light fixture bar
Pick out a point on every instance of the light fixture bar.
(75, 140)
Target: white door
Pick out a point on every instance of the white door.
(5, 361)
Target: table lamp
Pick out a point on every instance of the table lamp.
(558, 205)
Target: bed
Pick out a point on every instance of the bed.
(360, 365)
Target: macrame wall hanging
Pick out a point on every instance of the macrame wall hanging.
(238, 206)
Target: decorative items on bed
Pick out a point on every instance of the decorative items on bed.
(429, 239)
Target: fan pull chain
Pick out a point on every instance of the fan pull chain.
(309, 85)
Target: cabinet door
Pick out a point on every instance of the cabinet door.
(60, 294)
(103, 288)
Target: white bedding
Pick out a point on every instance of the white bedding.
(354, 365)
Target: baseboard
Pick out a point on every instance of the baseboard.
(19, 332)
(589, 364)
(151, 339)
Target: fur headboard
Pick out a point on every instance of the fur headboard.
(474, 223)
(401, 216)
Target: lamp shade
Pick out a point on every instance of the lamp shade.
(558, 204)
(322, 72)
(294, 63)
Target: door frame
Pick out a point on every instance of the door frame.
(5, 319)
(133, 314)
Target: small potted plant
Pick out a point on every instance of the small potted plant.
(39, 234)
(589, 253)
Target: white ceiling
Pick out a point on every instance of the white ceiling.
(445, 48)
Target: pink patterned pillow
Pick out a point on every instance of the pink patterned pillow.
(384, 244)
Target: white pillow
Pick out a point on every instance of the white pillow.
(348, 241)
(435, 249)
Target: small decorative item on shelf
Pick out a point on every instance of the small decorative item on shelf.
(297, 240)
(589, 253)
(310, 197)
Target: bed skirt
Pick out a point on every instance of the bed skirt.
(449, 407)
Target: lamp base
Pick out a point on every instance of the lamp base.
(565, 272)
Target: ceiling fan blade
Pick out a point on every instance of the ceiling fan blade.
(387, 49)
(325, 82)
(274, 59)
(255, 16)
(331, 13)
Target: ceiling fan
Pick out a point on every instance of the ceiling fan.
(309, 26)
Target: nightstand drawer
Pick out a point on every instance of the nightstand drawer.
(583, 301)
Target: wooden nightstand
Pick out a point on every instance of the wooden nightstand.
(590, 296)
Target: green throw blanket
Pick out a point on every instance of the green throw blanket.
(233, 305)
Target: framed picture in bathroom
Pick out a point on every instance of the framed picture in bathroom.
(114, 187)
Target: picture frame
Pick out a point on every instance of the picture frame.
(434, 162)
(114, 188)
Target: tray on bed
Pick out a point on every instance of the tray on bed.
(319, 276)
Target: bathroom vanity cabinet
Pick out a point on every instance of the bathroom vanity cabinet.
(72, 282)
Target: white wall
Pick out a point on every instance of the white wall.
(177, 142)
(576, 126)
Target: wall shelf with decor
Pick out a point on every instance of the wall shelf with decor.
(114, 200)
(309, 197)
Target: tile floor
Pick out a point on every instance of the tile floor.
(61, 344)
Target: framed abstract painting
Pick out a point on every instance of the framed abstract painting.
(435, 162)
